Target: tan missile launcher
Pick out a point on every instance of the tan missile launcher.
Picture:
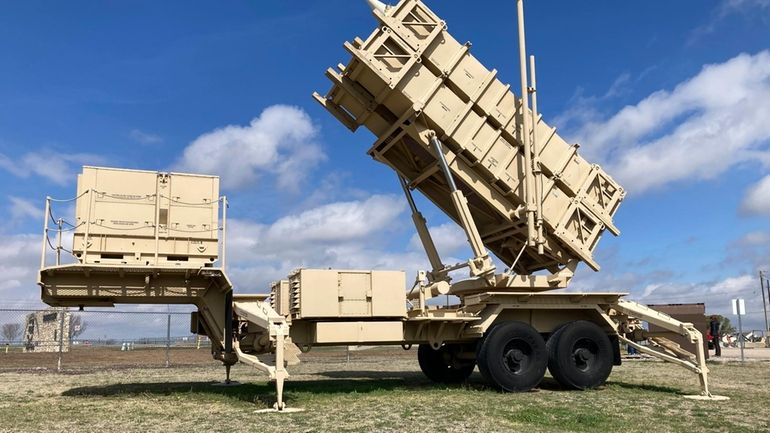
(144, 237)
(534, 201)
(449, 128)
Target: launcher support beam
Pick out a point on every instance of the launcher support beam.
(647, 314)
(263, 316)
(423, 233)
(480, 265)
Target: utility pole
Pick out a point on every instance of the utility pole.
(764, 306)
(767, 287)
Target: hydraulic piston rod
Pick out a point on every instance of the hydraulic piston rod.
(422, 230)
(481, 264)
(529, 180)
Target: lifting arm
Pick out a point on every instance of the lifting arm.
(480, 265)
(422, 231)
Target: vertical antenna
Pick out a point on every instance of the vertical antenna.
(536, 158)
(528, 177)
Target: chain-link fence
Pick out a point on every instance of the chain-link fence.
(68, 339)
(62, 339)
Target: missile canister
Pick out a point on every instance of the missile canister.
(411, 78)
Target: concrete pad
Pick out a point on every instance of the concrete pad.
(707, 397)
(285, 410)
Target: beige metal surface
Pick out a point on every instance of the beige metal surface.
(334, 293)
(277, 330)
(409, 78)
(279, 297)
(347, 333)
(143, 237)
(138, 217)
(695, 362)
(85, 285)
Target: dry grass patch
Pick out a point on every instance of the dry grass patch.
(382, 391)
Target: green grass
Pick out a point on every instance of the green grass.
(379, 394)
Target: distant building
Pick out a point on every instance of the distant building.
(46, 330)
(692, 313)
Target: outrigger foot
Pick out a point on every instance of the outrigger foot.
(227, 381)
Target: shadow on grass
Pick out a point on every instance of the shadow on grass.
(343, 383)
(643, 387)
(339, 382)
(414, 376)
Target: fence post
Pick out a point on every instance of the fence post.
(61, 338)
(168, 340)
(59, 223)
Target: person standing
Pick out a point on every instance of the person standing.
(714, 331)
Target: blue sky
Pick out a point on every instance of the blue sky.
(683, 87)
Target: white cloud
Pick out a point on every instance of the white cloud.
(22, 209)
(333, 234)
(716, 295)
(280, 143)
(142, 137)
(718, 292)
(57, 167)
(749, 253)
(749, 9)
(754, 238)
(706, 125)
(757, 198)
(19, 259)
(449, 238)
(743, 5)
(345, 235)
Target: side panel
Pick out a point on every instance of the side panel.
(359, 332)
(388, 298)
(318, 293)
(332, 293)
(137, 217)
(279, 297)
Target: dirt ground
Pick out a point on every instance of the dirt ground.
(95, 358)
(378, 390)
(752, 354)
(80, 358)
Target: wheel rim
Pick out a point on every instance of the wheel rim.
(517, 356)
(584, 354)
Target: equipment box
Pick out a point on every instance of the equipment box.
(146, 218)
(358, 294)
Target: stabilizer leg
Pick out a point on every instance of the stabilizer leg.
(696, 363)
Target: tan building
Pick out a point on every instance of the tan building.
(47, 330)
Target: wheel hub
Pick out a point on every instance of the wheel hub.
(516, 356)
(583, 355)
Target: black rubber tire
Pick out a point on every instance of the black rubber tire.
(512, 357)
(580, 355)
(442, 366)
